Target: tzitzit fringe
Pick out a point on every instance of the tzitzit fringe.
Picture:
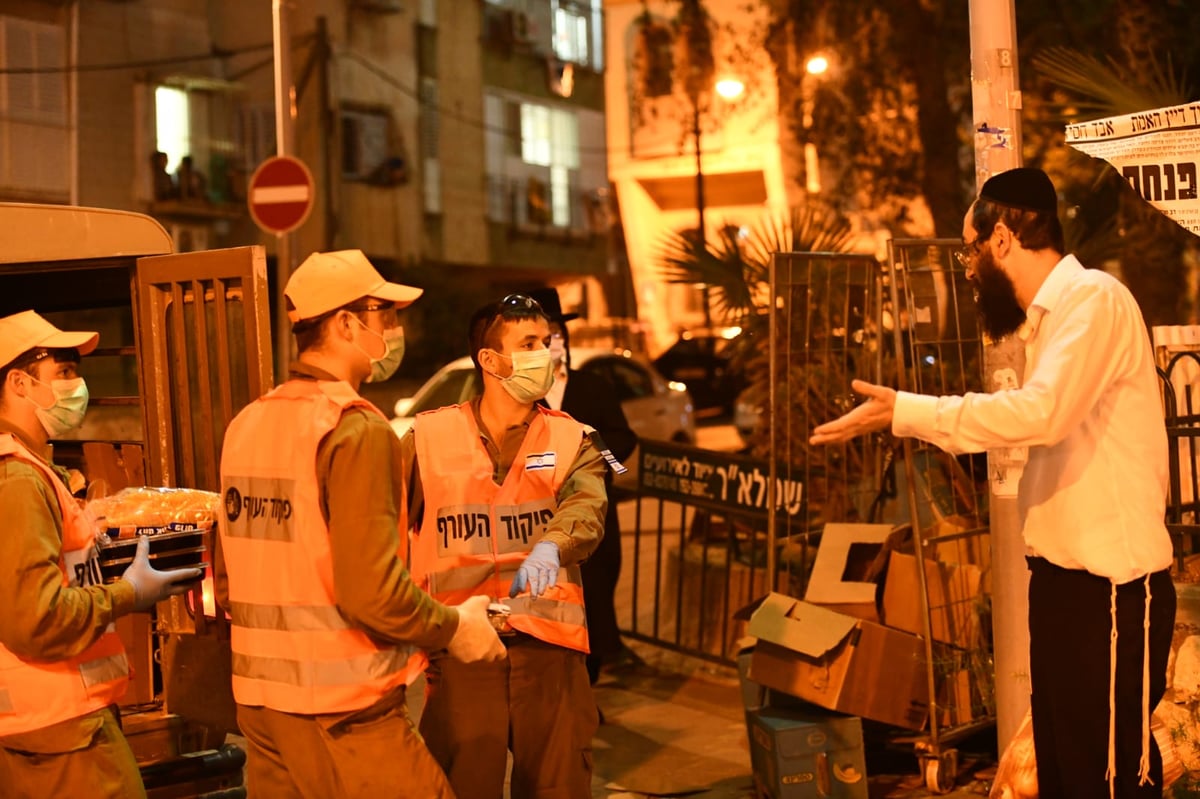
(1144, 762)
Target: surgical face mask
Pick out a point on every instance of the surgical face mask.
(532, 375)
(386, 365)
(558, 350)
(66, 412)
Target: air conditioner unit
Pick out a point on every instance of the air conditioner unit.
(522, 28)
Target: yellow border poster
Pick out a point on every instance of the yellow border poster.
(1156, 152)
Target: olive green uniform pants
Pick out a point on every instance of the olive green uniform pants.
(537, 703)
(86, 756)
(371, 753)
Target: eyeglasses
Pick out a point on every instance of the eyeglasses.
(367, 307)
(387, 311)
(968, 252)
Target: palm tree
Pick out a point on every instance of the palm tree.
(811, 382)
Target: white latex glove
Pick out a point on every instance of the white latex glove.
(151, 585)
(476, 639)
(538, 571)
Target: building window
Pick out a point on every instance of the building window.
(365, 143)
(431, 178)
(195, 141)
(171, 125)
(550, 138)
(34, 141)
(571, 32)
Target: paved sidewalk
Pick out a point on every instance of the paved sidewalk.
(674, 726)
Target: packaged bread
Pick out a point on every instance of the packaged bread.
(153, 510)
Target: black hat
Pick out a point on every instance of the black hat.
(548, 299)
(1025, 188)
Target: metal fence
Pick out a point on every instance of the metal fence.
(1179, 372)
(696, 552)
(712, 532)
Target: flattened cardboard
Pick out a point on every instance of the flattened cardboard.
(953, 589)
(840, 663)
(803, 627)
(830, 583)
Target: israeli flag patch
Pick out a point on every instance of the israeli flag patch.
(539, 460)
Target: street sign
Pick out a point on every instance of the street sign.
(281, 194)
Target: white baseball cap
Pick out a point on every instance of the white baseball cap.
(329, 280)
(27, 330)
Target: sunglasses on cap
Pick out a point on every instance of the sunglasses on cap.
(519, 302)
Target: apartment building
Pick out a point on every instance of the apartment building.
(461, 139)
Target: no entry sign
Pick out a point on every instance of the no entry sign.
(281, 194)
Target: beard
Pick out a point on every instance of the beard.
(996, 299)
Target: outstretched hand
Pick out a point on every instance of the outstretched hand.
(873, 415)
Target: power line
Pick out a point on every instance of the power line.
(478, 124)
(146, 64)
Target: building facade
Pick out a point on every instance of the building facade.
(461, 140)
(653, 116)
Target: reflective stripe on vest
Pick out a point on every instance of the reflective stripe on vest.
(293, 650)
(475, 534)
(36, 694)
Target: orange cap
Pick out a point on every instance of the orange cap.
(27, 330)
(329, 280)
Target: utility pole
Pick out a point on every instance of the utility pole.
(285, 144)
(701, 241)
(996, 102)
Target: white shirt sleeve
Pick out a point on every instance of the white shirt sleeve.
(1077, 353)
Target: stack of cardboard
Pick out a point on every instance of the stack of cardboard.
(852, 644)
(799, 751)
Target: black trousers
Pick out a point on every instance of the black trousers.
(1069, 640)
(600, 573)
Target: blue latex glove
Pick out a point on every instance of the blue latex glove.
(539, 570)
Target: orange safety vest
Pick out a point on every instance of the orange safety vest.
(35, 694)
(293, 650)
(474, 534)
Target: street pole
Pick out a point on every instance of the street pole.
(285, 117)
(701, 244)
(996, 104)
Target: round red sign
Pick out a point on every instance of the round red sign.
(281, 193)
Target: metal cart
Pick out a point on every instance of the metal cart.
(939, 351)
(839, 317)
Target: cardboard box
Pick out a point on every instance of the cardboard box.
(798, 754)
(754, 696)
(845, 573)
(839, 662)
(842, 571)
(953, 592)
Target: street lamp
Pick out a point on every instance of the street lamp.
(814, 68)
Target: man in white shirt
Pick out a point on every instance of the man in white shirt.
(1093, 493)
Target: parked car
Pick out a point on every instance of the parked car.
(702, 360)
(748, 412)
(655, 407)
